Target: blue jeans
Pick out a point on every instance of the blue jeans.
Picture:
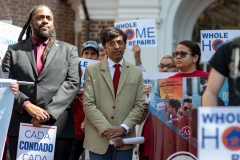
(77, 149)
(112, 154)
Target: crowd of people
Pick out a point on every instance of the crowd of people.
(113, 100)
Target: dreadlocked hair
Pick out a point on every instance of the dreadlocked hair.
(27, 27)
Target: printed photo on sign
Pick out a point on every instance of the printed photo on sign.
(141, 32)
(171, 88)
(172, 106)
(36, 142)
(211, 40)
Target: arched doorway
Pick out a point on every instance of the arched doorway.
(186, 17)
(221, 14)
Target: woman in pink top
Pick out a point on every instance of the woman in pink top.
(187, 59)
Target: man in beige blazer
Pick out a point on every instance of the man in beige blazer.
(112, 112)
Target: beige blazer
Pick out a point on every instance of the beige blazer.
(101, 107)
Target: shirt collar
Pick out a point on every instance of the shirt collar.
(111, 63)
(34, 41)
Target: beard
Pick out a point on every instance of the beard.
(43, 35)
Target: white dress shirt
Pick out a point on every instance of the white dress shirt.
(112, 70)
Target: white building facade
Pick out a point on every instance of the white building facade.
(175, 21)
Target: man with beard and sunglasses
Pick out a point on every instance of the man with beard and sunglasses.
(183, 124)
(187, 59)
(53, 66)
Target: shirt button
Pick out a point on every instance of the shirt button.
(112, 117)
(113, 107)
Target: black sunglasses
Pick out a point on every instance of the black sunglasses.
(181, 53)
(185, 108)
(168, 66)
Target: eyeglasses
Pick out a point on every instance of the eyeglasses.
(185, 108)
(168, 66)
(181, 53)
(112, 44)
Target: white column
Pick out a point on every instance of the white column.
(79, 16)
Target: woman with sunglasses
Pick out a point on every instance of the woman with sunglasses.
(187, 59)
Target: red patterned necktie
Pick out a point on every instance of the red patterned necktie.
(116, 77)
(39, 59)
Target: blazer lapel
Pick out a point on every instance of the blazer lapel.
(123, 77)
(30, 53)
(50, 56)
(106, 74)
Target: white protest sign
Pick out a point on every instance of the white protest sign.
(219, 133)
(36, 142)
(141, 32)
(8, 36)
(151, 79)
(6, 106)
(212, 39)
(149, 76)
(83, 64)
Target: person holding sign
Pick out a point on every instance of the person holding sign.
(90, 50)
(13, 86)
(53, 66)
(113, 100)
(138, 62)
(187, 58)
(167, 63)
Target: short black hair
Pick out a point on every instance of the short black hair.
(110, 33)
(189, 100)
(175, 103)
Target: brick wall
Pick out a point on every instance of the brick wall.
(64, 16)
(18, 11)
(95, 28)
